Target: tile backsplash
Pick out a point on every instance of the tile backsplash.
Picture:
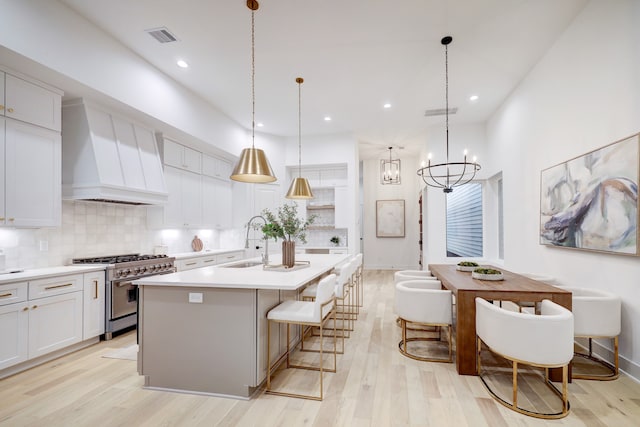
(94, 229)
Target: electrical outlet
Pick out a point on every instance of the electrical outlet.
(195, 297)
(44, 246)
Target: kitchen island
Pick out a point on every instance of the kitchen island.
(204, 331)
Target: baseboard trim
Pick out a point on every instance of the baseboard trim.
(628, 367)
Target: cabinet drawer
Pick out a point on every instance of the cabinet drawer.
(13, 292)
(231, 256)
(206, 261)
(55, 286)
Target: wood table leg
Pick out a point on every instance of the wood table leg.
(466, 333)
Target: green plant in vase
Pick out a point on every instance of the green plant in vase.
(286, 225)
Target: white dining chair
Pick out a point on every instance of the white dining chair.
(544, 340)
(597, 314)
(423, 303)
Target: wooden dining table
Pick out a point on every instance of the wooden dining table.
(514, 287)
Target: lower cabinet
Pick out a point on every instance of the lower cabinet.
(44, 315)
(94, 305)
(14, 328)
(54, 323)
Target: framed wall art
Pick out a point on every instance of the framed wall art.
(591, 202)
(389, 218)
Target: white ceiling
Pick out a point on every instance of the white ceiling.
(354, 55)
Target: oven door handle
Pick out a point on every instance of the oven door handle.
(123, 284)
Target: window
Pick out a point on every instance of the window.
(464, 221)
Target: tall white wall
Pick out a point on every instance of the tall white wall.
(391, 252)
(583, 94)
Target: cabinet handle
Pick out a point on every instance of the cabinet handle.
(58, 286)
(231, 257)
(6, 295)
(1, 107)
(10, 110)
(190, 263)
(209, 260)
(2, 218)
(25, 309)
(34, 307)
(11, 219)
(95, 283)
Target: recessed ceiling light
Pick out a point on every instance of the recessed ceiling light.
(260, 125)
(387, 105)
(473, 98)
(327, 118)
(182, 64)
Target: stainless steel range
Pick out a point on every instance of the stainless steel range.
(121, 295)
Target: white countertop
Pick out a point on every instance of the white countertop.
(250, 277)
(39, 273)
(184, 255)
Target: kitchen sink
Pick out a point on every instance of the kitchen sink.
(244, 264)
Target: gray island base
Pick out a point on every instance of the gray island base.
(204, 331)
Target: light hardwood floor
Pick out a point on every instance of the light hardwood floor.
(375, 386)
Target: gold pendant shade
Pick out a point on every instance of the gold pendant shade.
(253, 166)
(299, 189)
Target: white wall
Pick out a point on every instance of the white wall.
(391, 252)
(473, 138)
(583, 94)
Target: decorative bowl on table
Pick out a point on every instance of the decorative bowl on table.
(487, 274)
(467, 266)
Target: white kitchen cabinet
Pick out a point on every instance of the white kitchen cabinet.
(205, 260)
(341, 201)
(54, 323)
(179, 156)
(14, 323)
(184, 207)
(31, 190)
(30, 102)
(216, 167)
(216, 203)
(93, 304)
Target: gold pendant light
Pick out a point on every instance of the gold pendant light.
(299, 188)
(253, 165)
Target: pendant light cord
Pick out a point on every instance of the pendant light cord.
(446, 110)
(253, 84)
(299, 81)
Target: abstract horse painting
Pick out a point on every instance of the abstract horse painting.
(591, 202)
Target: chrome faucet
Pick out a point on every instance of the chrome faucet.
(265, 255)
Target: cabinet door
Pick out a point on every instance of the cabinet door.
(217, 202)
(33, 175)
(31, 103)
(173, 208)
(94, 305)
(54, 323)
(172, 153)
(2, 106)
(3, 218)
(341, 207)
(192, 160)
(191, 199)
(267, 299)
(14, 330)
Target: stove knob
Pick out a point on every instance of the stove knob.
(136, 270)
(143, 269)
(116, 273)
(125, 272)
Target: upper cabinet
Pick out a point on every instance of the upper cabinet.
(179, 156)
(30, 153)
(199, 189)
(29, 102)
(216, 167)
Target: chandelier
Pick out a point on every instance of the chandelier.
(390, 170)
(450, 174)
(253, 165)
(299, 188)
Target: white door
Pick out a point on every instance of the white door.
(94, 289)
(54, 323)
(33, 175)
(14, 330)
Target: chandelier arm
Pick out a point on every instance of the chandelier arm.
(440, 185)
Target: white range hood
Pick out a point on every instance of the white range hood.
(106, 157)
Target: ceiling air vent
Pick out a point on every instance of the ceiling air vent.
(162, 35)
(440, 112)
